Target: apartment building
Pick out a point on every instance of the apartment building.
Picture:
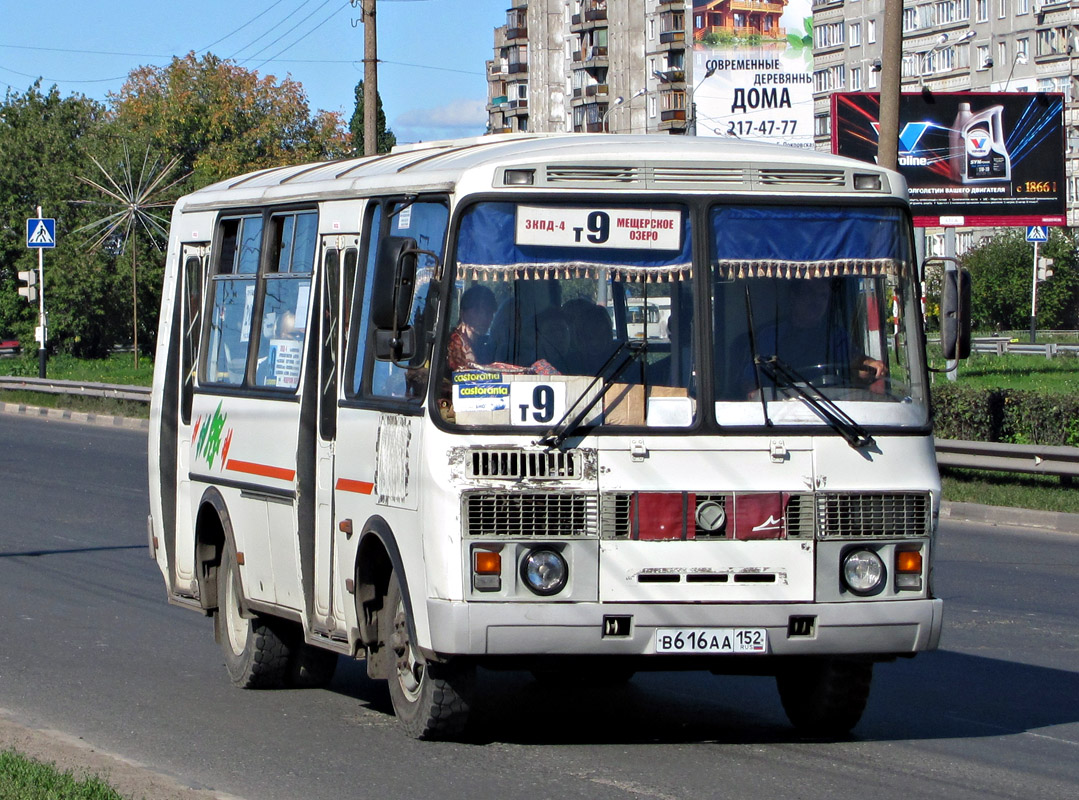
(953, 46)
(590, 66)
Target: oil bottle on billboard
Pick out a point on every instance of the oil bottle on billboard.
(979, 137)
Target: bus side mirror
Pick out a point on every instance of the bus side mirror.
(391, 298)
(955, 314)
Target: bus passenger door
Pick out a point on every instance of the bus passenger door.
(193, 258)
(338, 271)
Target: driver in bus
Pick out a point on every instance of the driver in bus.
(809, 340)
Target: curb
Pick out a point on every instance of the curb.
(65, 415)
(1004, 516)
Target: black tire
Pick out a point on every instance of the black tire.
(311, 667)
(431, 699)
(256, 656)
(825, 697)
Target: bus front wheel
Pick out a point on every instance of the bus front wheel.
(256, 657)
(431, 699)
(825, 697)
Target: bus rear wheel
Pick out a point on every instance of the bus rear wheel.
(256, 657)
(825, 697)
(431, 699)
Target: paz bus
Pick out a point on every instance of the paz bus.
(400, 414)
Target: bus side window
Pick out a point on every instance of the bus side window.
(362, 302)
(233, 305)
(285, 309)
(425, 222)
(194, 266)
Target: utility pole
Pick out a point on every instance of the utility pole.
(370, 80)
(890, 81)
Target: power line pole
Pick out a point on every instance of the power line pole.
(370, 80)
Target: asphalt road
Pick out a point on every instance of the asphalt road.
(89, 646)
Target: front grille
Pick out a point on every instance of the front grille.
(903, 515)
(531, 514)
(525, 465)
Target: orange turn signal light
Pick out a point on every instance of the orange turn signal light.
(487, 563)
(908, 561)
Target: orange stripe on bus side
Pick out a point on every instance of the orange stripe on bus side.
(262, 470)
(359, 487)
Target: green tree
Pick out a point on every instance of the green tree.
(45, 141)
(223, 120)
(385, 137)
(1002, 271)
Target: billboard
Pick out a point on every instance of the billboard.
(970, 159)
(753, 70)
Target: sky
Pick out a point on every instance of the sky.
(432, 53)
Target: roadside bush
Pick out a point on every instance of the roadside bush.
(1016, 416)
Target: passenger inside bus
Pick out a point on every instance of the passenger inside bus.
(469, 343)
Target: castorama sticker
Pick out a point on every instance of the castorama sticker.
(752, 74)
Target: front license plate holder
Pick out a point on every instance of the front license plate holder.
(711, 641)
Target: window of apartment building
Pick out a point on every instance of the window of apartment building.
(831, 79)
(981, 10)
(911, 66)
(856, 79)
(1061, 83)
(854, 35)
(1002, 53)
(872, 83)
(828, 35)
(1022, 7)
(1052, 42)
(1022, 46)
(822, 125)
(982, 56)
(871, 31)
(1002, 9)
(910, 20)
(927, 16)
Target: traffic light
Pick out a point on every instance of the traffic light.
(1044, 271)
(29, 291)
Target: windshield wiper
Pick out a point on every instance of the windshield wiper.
(554, 437)
(784, 375)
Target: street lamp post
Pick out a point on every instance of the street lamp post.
(611, 107)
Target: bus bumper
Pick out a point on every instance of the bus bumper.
(852, 628)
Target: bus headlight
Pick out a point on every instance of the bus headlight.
(544, 571)
(863, 572)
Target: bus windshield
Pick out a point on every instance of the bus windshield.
(555, 305)
(574, 309)
(819, 301)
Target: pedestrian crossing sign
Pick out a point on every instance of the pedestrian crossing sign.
(1037, 233)
(40, 232)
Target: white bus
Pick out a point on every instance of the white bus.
(394, 420)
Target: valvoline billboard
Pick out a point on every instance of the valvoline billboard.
(971, 159)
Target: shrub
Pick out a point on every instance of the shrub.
(1018, 416)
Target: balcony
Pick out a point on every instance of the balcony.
(497, 101)
(596, 90)
(669, 37)
(517, 67)
(520, 32)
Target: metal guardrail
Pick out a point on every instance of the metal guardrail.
(999, 345)
(992, 456)
(139, 394)
(1000, 457)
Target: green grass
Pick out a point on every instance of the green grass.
(118, 368)
(1012, 489)
(22, 778)
(1059, 374)
(102, 406)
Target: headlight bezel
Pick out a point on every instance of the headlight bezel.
(874, 577)
(554, 558)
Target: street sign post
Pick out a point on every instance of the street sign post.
(1037, 234)
(40, 235)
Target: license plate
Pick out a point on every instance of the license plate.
(711, 641)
